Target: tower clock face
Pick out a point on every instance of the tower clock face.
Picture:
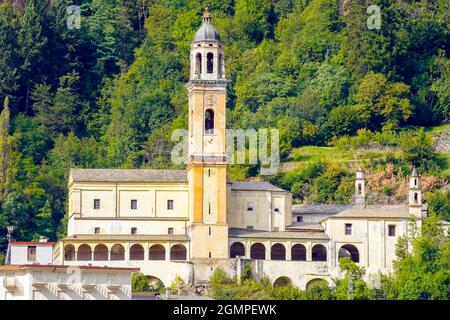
(211, 101)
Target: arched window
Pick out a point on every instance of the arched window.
(157, 252)
(359, 188)
(69, 253)
(100, 253)
(319, 253)
(237, 249)
(278, 252)
(349, 251)
(117, 253)
(298, 252)
(282, 282)
(258, 251)
(316, 283)
(178, 252)
(210, 63)
(84, 253)
(416, 198)
(198, 63)
(209, 121)
(136, 252)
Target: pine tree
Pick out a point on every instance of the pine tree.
(5, 149)
(9, 74)
(31, 43)
(44, 221)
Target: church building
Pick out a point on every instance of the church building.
(187, 223)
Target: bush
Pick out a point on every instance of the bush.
(342, 121)
(354, 274)
(417, 148)
(139, 282)
(177, 284)
(439, 203)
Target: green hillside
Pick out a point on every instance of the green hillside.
(110, 93)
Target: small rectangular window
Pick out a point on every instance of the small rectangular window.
(31, 253)
(169, 204)
(209, 231)
(391, 231)
(250, 228)
(170, 231)
(133, 204)
(134, 230)
(97, 230)
(96, 204)
(348, 229)
(299, 219)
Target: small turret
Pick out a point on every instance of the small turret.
(415, 194)
(360, 188)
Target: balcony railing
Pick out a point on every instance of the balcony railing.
(88, 283)
(62, 283)
(39, 281)
(9, 284)
(113, 284)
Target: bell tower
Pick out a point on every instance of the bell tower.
(415, 194)
(360, 188)
(207, 165)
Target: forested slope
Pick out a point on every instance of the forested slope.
(111, 93)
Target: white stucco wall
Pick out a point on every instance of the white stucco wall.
(19, 253)
(42, 284)
(123, 226)
(115, 199)
(264, 216)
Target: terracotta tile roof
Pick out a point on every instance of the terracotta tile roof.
(374, 211)
(255, 234)
(305, 226)
(128, 175)
(255, 186)
(53, 266)
(35, 243)
(126, 237)
(320, 208)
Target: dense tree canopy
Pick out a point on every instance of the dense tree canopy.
(111, 93)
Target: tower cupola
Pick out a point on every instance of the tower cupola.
(207, 55)
(207, 31)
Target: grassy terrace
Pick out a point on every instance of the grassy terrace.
(310, 154)
(440, 128)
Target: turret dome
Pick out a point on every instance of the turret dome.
(207, 32)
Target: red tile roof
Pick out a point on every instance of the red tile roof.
(33, 243)
(52, 266)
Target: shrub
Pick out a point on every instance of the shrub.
(417, 147)
(139, 282)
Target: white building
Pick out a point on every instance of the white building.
(189, 222)
(53, 282)
(22, 252)
(31, 275)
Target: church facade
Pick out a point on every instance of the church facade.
(189, 222)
